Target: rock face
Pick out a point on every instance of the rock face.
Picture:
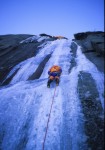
(15, 49)
(77, 120)
(92, 44)
(92, 110)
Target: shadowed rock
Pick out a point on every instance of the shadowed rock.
(92, 45)
(92, 109)
(40, 68)
(12, 52)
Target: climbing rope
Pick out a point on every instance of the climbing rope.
(48, 120)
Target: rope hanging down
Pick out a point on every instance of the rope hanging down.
(48, 120)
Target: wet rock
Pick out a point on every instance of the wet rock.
(40, 68)
(92, 110)
(73, 51)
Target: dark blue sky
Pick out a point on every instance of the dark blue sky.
(54, 17)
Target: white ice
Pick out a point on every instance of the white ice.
(25, 105)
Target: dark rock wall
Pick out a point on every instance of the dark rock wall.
(87, 91)
(12, 52)
(92, 110)
(92, 44)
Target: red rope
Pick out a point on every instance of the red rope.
(48, 120)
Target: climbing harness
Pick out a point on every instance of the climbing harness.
(48, 119)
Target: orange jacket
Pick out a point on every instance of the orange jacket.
(55, 69)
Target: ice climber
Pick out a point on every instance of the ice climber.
(54, 74)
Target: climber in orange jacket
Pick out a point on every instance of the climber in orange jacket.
(54, 74)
